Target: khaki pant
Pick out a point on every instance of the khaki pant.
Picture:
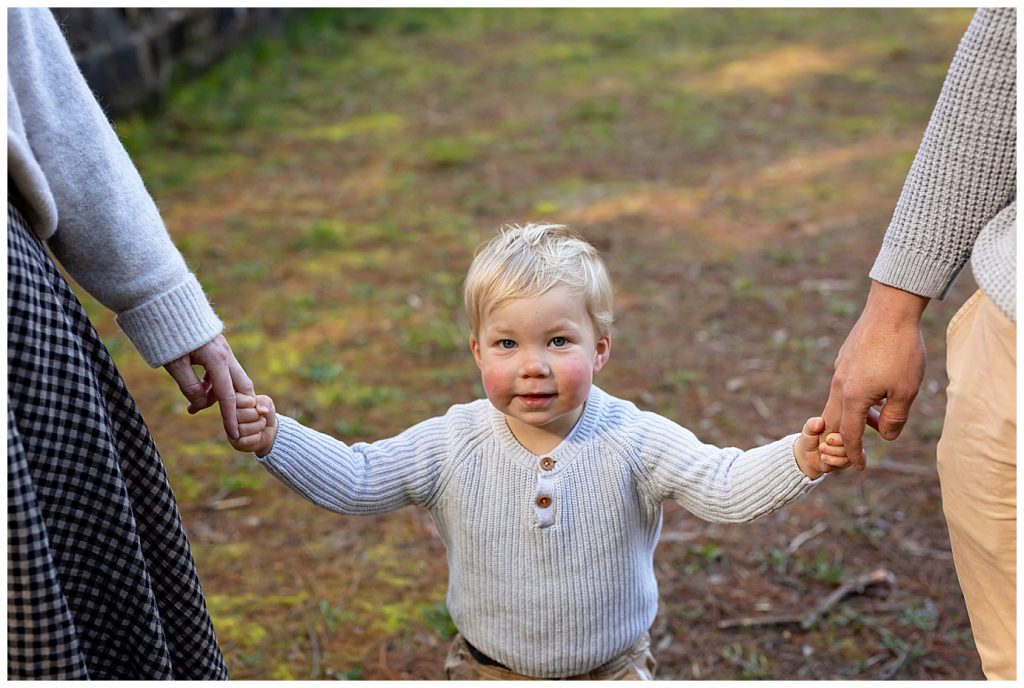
(977, 461)
(635, 664)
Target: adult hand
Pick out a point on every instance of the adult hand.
(224, 376)
(881, 362)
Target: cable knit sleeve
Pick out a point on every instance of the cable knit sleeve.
(964, 173)
(86, 197)
(723, 485)
(365, 478)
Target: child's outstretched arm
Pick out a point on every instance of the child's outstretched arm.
(817, 453)
(257, 424)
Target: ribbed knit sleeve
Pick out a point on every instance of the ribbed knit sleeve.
(964, 173)
(723, 485)
(362, 479)
(85, 196)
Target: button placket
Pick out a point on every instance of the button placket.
(544, 501)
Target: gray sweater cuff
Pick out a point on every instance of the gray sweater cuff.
(914, 272)
(171, 325)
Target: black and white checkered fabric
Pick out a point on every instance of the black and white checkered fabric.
(101, 581)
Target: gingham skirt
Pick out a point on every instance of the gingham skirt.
(101, 583)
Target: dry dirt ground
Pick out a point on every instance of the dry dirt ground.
(736, 168)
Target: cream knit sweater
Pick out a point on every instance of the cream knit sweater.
(550, 565)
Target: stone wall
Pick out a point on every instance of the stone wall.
(129, 54)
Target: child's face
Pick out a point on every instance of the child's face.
(537, 360)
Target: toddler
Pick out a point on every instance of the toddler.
(548, 494)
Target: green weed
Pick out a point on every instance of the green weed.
(680, 379)
(597, 110)
(323, 235)
(454, 151)
(439, 621)
(322, 371)
(333, 617)
(752, 664)
(701, 556)
(923, 616)
(353, 674)
(838, 306)
(821, 568)
(352, 428)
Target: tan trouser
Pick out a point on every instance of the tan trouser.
(977, 460)
(635, 664)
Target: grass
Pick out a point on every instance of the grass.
(329, 187)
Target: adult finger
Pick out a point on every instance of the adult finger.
(224, 390)
(833, 413)
(239, 378)
(851, 427)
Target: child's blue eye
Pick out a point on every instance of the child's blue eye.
(506, 344)
(558, 341)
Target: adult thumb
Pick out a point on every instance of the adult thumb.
(192, 388)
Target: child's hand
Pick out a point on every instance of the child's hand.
(817, 454)
(257, 424)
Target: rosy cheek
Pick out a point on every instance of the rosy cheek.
(576, 378)
(494, 380)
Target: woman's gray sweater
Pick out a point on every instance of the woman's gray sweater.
(85, 197)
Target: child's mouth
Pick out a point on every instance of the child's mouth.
(536, 399)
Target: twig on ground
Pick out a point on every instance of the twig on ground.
(856, 585)
(749, 621)
(314, 648)
(803, 537)
(679, 536)
(384, 661)
(890, 669)
(232, 503)
(810, 619)
(761, 408)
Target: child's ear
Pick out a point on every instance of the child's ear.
(474, 346)
(603, 349)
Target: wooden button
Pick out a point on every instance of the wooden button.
(547, 463)
(543, 501)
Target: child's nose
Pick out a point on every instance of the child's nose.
(535, 366)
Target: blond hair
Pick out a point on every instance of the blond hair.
(525, 261)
